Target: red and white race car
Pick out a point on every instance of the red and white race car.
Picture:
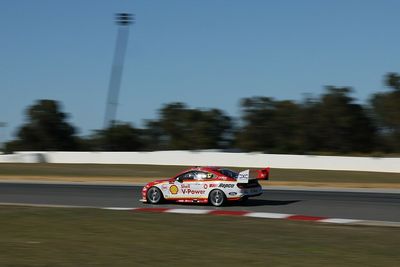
(205, 185)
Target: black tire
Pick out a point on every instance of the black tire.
(154, 195)
(217, 198)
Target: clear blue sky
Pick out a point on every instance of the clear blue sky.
(206, 53)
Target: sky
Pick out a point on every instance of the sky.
(205, 53)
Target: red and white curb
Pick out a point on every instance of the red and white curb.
(261, 215)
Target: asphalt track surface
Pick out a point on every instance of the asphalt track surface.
(349, 205)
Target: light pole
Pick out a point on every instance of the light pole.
(123, 21)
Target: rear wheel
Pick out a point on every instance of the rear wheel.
(217, 198)
(154, 195)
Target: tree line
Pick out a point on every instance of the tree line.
(331, 123)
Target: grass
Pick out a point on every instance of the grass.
(115, 172)
(89, 170)
(31, 236)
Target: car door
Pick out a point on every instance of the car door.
(196, 186)
(189, 185)
(181, 187)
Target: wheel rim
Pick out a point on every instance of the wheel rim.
(153, 195)
(217, 198)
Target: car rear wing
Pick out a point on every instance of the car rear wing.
(244, 176)
(263, 174)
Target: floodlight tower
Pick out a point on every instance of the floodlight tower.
(123, 21)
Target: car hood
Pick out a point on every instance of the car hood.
(156, 182)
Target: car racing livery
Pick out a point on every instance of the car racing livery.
(205, 185)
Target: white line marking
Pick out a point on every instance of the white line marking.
(118, 208)
(268, 215)
(378, 223)
(188, 211)
(338, 220)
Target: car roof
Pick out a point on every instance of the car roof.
(202, 168)
(205, 168)
(214, 169)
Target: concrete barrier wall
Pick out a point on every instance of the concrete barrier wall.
(20, 158)
(193, 158)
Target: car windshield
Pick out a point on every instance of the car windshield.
(228, 173)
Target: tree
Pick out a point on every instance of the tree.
(118, 137)
(393, 80)
(154, 137)
(269, 125)
(180, 127)
(46, 129)
(340, 124)
(331, 123)
(386, 110)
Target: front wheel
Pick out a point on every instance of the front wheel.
(217, 198)
(154, 195)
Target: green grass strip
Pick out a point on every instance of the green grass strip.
(31, 236)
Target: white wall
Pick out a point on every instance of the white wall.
(19, 158)
(192, 158)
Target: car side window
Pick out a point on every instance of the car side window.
(186, 176)
(195, 175)
(203, 175)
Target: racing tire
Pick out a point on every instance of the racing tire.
(217, 198)
(154, 195)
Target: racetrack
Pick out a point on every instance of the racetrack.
(351, 205)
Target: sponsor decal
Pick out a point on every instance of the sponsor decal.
(192, 192)
(164, 186)
(173, 189)
(243, 177)
(226, 185)
(213, 185)
(232, 193)
(205, 186)
(185, 185)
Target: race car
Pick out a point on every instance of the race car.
(213, 185)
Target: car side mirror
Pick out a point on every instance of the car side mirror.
(179, 179)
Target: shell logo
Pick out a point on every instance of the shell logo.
(173, 189)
